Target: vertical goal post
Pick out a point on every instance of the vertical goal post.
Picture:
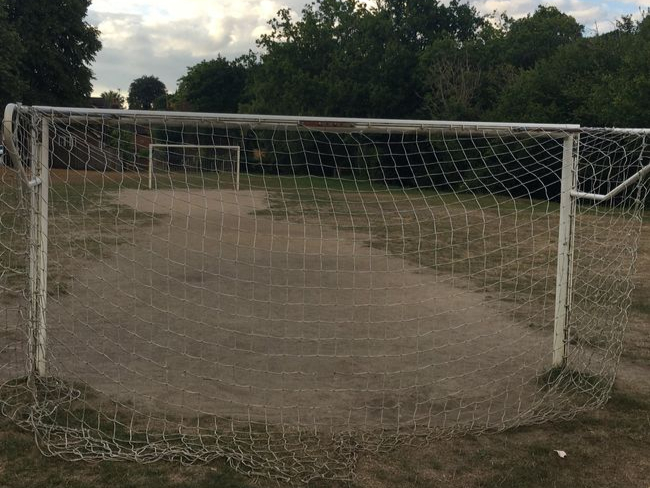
(236, 149)
(33, 175)
(38, 248)
(565, 254)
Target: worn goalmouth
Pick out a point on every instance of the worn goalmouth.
(357, 284)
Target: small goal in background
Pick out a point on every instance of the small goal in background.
(194, 159)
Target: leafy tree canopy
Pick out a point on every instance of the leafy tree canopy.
(113, 99)
(343, 58)
(537, 36)
(145, 93)
(11, 85)
(213, 86)
(594, 81)
(428, 59)
(419, 22)
(56, 47)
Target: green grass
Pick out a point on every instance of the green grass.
(13, 232)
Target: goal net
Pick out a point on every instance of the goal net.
(368, 283)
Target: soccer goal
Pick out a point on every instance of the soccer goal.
(356, 284)
(194, 158)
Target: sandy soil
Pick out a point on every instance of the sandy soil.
(211, 310)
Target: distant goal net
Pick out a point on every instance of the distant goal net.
(165, 159)
(288, 292)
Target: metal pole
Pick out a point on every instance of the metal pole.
(238, 168)
(312, 123)
(150, 166)
(41, 338)
(34, 222)
(639, 175)
(564, 282)
(39, 186)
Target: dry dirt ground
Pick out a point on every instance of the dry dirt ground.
(214, 311)
(210, 310)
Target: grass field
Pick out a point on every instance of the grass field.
(605, 448)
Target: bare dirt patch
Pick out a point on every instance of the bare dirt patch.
(217, 311)
(122, 351)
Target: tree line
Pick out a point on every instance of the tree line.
(414, 59)
(397, 59)
(47, 49)
(425, 59)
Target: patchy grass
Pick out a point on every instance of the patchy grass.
(607, 448)
(503, 247)
(636, 345)
(566, 379)
(83, 221)
(22, 465)
(13, 232)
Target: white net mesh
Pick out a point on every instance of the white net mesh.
(369, 284)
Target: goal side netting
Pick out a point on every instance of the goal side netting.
(288, 292)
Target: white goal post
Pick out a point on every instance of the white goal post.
(152, 147)
(371, 282)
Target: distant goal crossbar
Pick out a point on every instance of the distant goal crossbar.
(236, 149)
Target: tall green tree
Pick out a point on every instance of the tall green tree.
(627, 89)
(420, 22)
(461, 80)
(294, 74)
(538, 36)
(217, 85)
(577, 84)
(11, 85)
(113, 99)
(58, 46)
(146, 93)
(452, 78)
(342, 58)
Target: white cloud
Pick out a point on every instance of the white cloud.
(595, 16)
(164, 37)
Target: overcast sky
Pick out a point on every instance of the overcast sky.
(164, 37)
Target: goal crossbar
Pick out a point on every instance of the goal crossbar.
(329, 124)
